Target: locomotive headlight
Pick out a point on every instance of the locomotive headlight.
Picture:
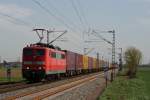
(28, 67)
(40, 68)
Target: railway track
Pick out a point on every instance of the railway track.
(62, 88)
(45, 92)
(17, 86)
(9, 87)
(22, 85)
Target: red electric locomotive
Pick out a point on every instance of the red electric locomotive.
(40, 61)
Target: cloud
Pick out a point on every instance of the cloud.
(15, 10)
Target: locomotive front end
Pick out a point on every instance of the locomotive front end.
(34, 63)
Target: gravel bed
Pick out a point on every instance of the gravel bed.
(84, 92)
(88, 91)
(45, 86)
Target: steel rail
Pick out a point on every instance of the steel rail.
(57, 89)
(62, 88)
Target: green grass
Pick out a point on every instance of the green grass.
(145, 76)
(129, 89)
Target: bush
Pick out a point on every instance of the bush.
(133, 58)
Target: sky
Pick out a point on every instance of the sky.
(129, 18)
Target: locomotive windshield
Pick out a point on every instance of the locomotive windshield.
(31, 52)
(40, 52)
(27, 52)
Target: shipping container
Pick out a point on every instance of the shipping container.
(70, 60)
(79, 62)
(110, 65)
(94, 63)
(85, 62)
(90, 62)
(97, 64)
(100, 64)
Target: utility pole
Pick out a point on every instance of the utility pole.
(113, 46)
(120, 59)
(0, 59)
(113, 54)
(109, 42)
(48, 32)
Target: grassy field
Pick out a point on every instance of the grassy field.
(15, 75)
(129, 89)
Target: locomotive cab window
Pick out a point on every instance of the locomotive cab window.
(58, 56)
(62, 56)
(27, 52)
(40, 52)
(53, 55)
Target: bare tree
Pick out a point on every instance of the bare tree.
(133, 58)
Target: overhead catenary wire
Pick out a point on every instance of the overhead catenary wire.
(53, 15)
(77, 13)
(63, 16)
(81, 17)
(15, 20)
(83, 13)
(10, 20)
(76, 46)
(101, 37)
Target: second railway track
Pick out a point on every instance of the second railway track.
(22, 85)
(56, 84)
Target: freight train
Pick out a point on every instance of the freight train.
(41, 61)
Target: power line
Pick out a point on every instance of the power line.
(60, 14)
(101, 37)
(16, 20)
(82, 12)
(53, 15)
(78, 14)
(74, 44)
